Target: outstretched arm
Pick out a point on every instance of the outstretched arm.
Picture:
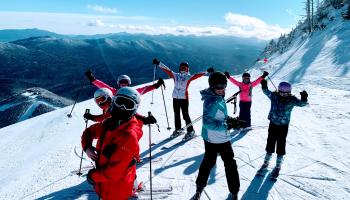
(168, 71)
(101, 84)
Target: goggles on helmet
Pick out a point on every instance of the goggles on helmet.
(124, 102)
(101, 100)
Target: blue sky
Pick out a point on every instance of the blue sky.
(263, 19)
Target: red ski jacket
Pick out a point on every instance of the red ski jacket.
(117, 149)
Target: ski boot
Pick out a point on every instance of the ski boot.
(275, 173)
(263, 169)
(176, 133)
(189, 135)
(198, 193)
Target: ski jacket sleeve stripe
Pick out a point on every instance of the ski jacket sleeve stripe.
(167, 70)
(267, 92)
(145, 89)
(234, 81)
(257, 81)
(101, 84)
(120, 160)
(89, 134)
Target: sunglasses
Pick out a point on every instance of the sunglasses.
(220, 86)
(124, 102)
(101, 100)
(284, 94)
(124, 81)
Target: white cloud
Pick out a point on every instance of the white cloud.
(97, 23)
(246, 26)
(102, 9)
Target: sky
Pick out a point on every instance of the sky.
(263, 19)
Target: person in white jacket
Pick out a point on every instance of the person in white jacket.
(182, 80)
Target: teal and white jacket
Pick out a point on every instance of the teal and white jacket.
(214, 129)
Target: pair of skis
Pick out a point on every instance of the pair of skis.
(158, 192)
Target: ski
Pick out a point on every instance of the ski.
(146, 160)
(158, 192)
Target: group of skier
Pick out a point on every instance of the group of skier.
(119, 127)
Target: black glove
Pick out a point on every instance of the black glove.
(88, 177)
(88, 116)
(159, 83)
(263, 84)
(155, 61)
(265, 74)
(227, 75)
(90, 76)
(232, 123)
(304, 96)
(210, 70)
(146, 120)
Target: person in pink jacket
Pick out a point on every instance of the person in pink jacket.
(245, 97)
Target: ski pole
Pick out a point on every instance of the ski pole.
(272, 82)
(154, 77)
(150, 155)
(76, 100)
(82, 151)
(166, 112)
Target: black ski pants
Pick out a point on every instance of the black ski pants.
(244, 113)
(181, 104)
(209, 161)
(277, 137)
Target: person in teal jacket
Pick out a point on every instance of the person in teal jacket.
(216, 135)
(282, 104)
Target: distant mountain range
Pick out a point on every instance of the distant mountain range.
(37, 58)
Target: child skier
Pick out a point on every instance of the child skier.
(282, 103)
(245, 97)
(215, 132)
(180, 95)
(116, 148)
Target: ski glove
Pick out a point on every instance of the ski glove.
(88, 116)
(159, 83)
(88, 177)
(156, 62)
(265, 74)
(90, 76)
(304, 96)
(263, 84)
(232, 123)
(210, 70)
(227, 75)
(147, 120)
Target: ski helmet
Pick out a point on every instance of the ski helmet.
(217, 80)
(285, 87)
(246, 75)
(124, 79)
(184, 67)
(102, 96)
(125, 103)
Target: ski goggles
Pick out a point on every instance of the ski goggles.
(124, 102)
(284, 94)
(101, 100)
(220, 86)
(124, 82)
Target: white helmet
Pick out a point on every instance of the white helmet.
(125, 103)
(102, 95)
(124, 78)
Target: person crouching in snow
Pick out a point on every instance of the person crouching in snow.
(282, 104)
(216, 136)
(116, 148)
(182, 80)
(245, 96)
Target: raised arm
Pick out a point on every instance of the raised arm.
(168, 71)
(101, 84)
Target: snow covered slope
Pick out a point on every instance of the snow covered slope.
(38, 161)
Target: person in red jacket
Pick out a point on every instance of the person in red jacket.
(245, 96)
(116, 148)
